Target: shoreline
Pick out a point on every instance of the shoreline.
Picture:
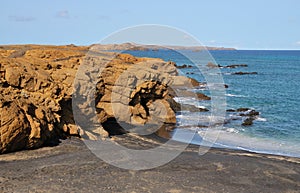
(70, 166)
(151, 141)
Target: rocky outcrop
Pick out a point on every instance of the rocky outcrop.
(233, 66)
(37, 90)
(243, 73)
(212, 65)
(184, 66)
(247, 115)
(248, 121)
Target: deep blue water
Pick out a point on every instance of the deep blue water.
(274, 92)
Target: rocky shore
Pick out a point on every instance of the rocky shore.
(37, 85)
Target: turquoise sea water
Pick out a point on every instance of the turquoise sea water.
(274, 92)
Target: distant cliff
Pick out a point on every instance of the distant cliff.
(133, 46)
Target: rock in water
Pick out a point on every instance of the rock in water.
(243, 73)
(248, 121)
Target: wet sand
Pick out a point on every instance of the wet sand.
(71, 167)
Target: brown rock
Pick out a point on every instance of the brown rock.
(15, 128)
(36, 101)
(13, 76)
(202, 96)
(211, 65)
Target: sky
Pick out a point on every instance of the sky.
(242, 24)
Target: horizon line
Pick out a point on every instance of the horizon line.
(186, 46)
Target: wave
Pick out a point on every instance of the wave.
(232, 139)
(195, 90)
(190, 101)
(233, 95)
(261, 119)
(232, 130)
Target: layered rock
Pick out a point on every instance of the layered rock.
(37, 86)
(35, 89)
(132, 91)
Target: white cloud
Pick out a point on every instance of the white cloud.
(298, 43)
(63, 14)
(17, 18)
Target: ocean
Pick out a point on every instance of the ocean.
(273, 92)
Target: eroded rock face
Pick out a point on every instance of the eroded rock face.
(129, 90)
(34, 90)
(25, 125)
(37, 86)
(15, 127)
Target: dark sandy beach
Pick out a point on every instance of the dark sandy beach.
(71, 167)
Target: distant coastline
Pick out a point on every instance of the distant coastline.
(133, 46)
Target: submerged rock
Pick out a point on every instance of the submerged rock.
(243, 109)
(235, 66)
(250, 113)
(248, 121)
(243, 73)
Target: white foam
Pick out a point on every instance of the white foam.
(235, 140)
(232, 130)
(261, 119)
(190, 101)
(233, 95)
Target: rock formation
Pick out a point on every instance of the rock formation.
(184, 66)
(243, 73)
(247, 115)
(37, 86)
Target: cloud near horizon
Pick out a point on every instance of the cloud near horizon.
(17, 18)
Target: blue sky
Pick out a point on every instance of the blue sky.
(255, 24)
